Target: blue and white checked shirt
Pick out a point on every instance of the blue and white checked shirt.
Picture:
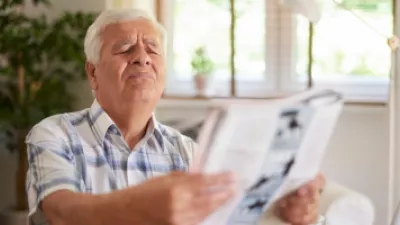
(85, 152)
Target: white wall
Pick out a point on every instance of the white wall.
(358, 155)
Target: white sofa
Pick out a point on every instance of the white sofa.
(340, 206)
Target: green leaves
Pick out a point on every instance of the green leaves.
(42, 57)
(201, 63)
(9, 4)
(44, 2)
(367, 6)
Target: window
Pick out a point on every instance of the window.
(348, 53)
(201, 23)
(271, 47)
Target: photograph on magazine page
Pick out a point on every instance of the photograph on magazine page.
(293, 123)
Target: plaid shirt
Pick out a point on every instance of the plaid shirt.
(85, 152)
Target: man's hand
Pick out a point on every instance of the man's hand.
(174, 199)
(301, 207)
(182, 198)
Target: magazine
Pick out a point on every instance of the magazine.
(273, 147)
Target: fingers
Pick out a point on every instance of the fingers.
(203, 183)
(300, 207)
(305, 215)
(295, 200)
(214, 199)
(206, 193)
(315, 185)
(300, 198)
(206, 204)
(321, 182)
(188, 186)
(311, 217)
(177, 173)
(308, 189)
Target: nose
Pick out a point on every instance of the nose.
(140, 56)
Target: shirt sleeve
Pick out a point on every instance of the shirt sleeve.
(51, 167)
(188, 151)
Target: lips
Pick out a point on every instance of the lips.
(141, 75)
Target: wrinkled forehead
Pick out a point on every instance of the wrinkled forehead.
(131, 29)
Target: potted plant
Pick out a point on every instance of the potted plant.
(203, 67)
(38, 60)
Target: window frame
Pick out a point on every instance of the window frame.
(279, 52)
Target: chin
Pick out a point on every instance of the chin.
(143, 91)
(144, 96)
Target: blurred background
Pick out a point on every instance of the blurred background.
(256, 49)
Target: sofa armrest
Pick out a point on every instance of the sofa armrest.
(339, 205)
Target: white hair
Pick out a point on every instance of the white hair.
(93, 41)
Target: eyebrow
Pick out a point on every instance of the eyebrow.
(151, 41)
(116, 46)
(147, 41)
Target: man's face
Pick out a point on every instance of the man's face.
(131, 66)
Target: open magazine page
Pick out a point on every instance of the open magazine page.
(273, 148)
(238, 146)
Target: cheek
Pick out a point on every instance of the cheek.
(159, 67)
(118, 66)
(113, 69)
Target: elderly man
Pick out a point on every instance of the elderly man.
(113, 163)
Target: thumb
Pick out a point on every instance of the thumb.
(195, 166)
(177, 173)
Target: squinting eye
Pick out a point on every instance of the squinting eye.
(153, 52)
(126, 51)
(152, 49)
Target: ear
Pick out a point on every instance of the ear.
(91, 74)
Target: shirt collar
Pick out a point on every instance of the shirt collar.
(102, 122)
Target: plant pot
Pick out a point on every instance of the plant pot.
(201, 84)
(13, 217)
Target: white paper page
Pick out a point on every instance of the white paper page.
(242, 130)
(308, 160)
(273, 149)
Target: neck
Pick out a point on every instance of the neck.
(132, 121)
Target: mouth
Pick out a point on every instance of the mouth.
(141, 76)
